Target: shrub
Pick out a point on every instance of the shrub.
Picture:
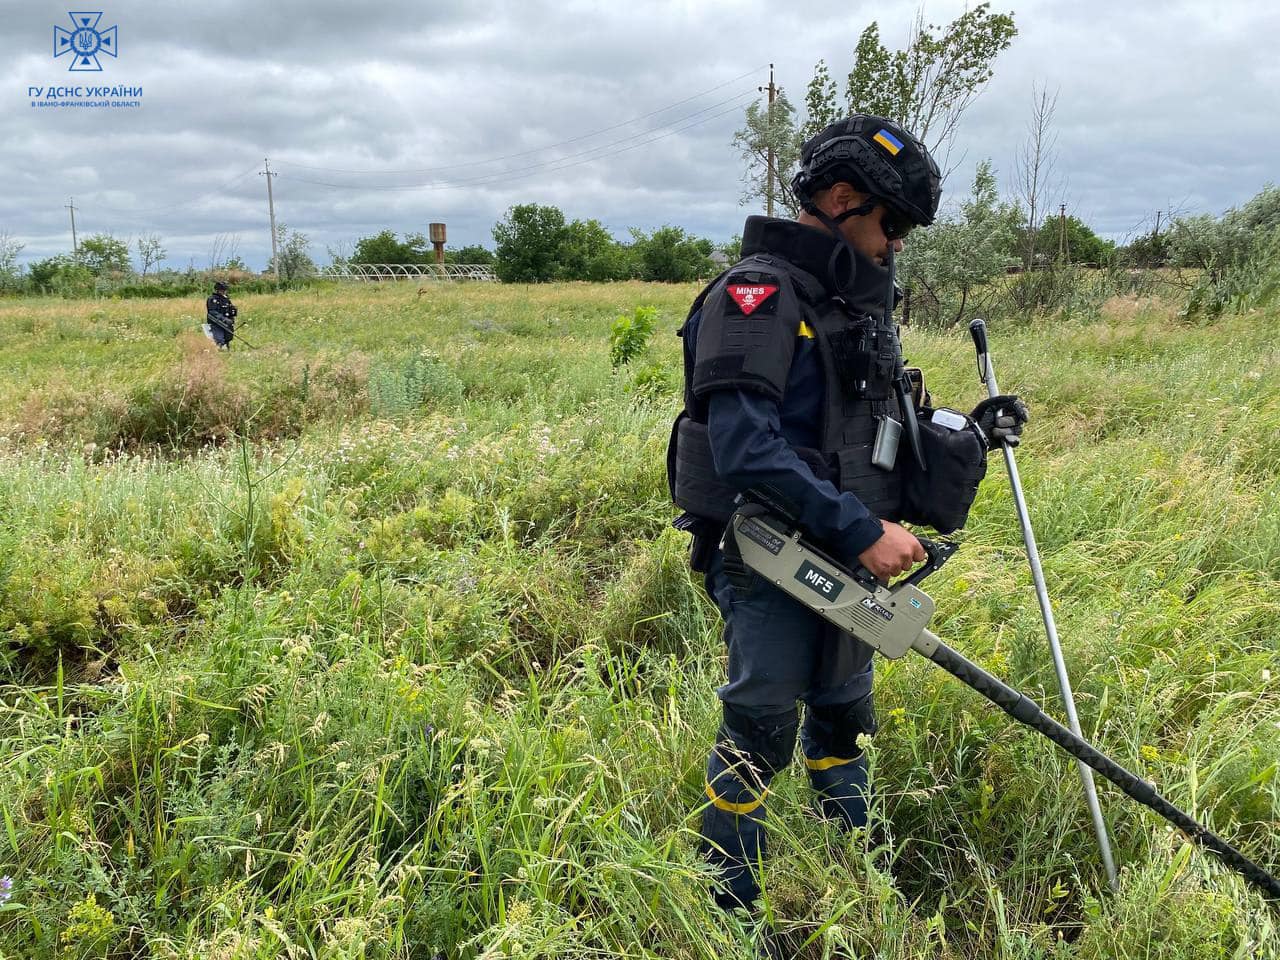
(629, 335)
(421, 379)
(189, 404)
(952, 266)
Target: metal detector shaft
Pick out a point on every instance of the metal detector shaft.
(230, 331)
(978, 329)
(1027, 712)
(893, 619)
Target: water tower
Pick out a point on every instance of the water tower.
(436, 232)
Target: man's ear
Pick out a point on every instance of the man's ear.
(842, 197)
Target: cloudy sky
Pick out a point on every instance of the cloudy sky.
(395, 114)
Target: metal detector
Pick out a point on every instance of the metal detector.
(894, 619)
(210, 322)
(987, 374)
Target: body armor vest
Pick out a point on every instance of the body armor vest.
(861, 359)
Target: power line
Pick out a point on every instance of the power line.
(216, 191)
(550, 166)
(545, 163)
(599, 152)
(525, 153)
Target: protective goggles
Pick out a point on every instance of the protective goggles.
(894, 224)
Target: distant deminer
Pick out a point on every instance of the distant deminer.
(796, 396)
(220, 325)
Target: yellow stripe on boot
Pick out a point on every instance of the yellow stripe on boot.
(739, 808)
(826, 763)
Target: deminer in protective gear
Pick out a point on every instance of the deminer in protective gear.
(796, 394)
(220, 321)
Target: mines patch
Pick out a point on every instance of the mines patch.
(748, 296)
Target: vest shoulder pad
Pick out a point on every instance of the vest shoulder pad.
(747, 331)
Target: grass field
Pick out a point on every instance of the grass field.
(373, 641)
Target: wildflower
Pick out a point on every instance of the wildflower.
(6, 890)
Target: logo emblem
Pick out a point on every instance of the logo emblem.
(881, 612)
(748, 297)
(85, 42)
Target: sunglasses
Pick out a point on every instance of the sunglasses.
(894, 224)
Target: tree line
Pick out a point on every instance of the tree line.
(102, 263)
(536, 244)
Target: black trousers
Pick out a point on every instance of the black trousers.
(779, 653)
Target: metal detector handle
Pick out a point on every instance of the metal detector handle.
(978, 330)
(937, 552)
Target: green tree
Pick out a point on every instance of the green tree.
(103, 254)
(1149, 251)
(926, 87)
(588, 252)
(770, 148)
(873, 85)
(617, 261)
(385, 248)
(820, 102)
(1070, 240)
(1237, 253)
(61, 274)
(10, 272)
(295, 259)
(469, 254)
(950, 267)
(1217, 245)
(669, 255)
(150, 251)
(529, 239)
(732, 248)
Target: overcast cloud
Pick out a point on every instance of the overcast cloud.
(393, 115)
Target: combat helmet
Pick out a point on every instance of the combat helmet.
(875, 156)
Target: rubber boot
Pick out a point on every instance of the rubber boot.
(733, 835)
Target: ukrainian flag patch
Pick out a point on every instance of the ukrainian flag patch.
(888, 141)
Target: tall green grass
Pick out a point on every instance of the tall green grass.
(375, 642)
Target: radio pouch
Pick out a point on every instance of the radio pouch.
(956, 452)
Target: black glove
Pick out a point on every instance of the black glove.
(1001, 419)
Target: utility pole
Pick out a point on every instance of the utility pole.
(1156, 232)
(768, 189)
(75, 245)
(1062, 233)
(271, 205)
